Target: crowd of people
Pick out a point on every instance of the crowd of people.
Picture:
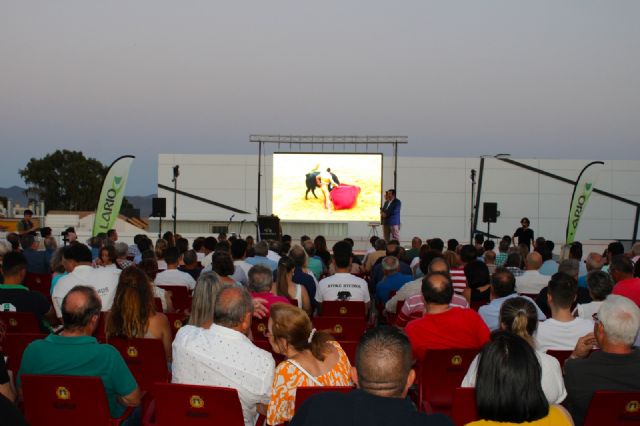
(512, 304)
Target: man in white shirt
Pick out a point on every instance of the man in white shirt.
(173, 276)
(532, 281)
(343, 285)
(562, 330)
(223, 355)
(78, 260)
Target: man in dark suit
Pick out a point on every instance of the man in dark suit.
(390, 213)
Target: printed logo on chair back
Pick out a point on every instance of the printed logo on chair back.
(132, 352)
(456, 360)
(177, 324)
(632, 407)
(196, 402)
(262, 327)
(13, 322)
(337, 328)
(343, 310)
(63, 393)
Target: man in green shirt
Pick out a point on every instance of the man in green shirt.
(76, 353)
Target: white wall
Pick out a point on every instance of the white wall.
(435, 194)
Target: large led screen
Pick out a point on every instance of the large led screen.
(327, 187)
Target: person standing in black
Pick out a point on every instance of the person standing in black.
(524, 234)
(26, 226)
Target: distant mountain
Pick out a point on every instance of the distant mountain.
(17, 196)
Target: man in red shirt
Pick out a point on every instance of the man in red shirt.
(621, 270)
(443, 326)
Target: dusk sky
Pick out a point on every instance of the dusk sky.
(543, 79)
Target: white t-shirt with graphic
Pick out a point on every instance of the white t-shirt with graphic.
(343, 286)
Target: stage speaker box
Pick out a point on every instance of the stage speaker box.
(158, 207)
(490, 212)
(269, 227)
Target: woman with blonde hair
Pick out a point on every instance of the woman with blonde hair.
(519, 316)
(313, 358)
(161, 247)
(284, 285)
(133, 313)
(204, 298)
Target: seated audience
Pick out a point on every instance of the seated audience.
(15, 297)
(531, 281)
(78, 262)
(468, 254)
(621, 270)
(490, 260)
(503, 252)
(478, 281)
(301, 274)
(313, 358)
(11, 415)
(514, 263)
(343, 285)
(503, 285)
(238, 252)
(594, 262)
(202, 356)
(161, 247)
(133, 313)
(122, 250)
(172, 275)
(549, 266)
(600, 285)
(383, 375)
(314, 263)
(75, 352)
(380, 246)
(106, 257)
(190, 264)
(261, 285)
(286, 287)
(562, 330)
(429, 262)
(392, 279)
(37, 261)
(616, 366)
(444, 327)
(261, 249)
(204, 297)
(393, 250)
(508, 386)
(519, 316)
(222, 264)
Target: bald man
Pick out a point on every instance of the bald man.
(532, 281)
(383, 375)
(75, 352)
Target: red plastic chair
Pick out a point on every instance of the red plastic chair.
(265, 345)
(305, 392)
(157, 303)
(145, 358)
(20, 322)
(441, 372)
(14, 345)
(179, 296)
(342, 328)
(40, 283)
(464, 406)
(343, 309)
(349, 347)
(259, 328)
(613, 408)
(100, 332)
(66, 400)
(176, 321)
(187, 405)
(561, 356)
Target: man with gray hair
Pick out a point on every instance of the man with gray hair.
(594, 262)
(383, 375)
(392, 281)
(223, 355)
(261, 249)
(616, 366)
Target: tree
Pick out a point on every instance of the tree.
(65, 180)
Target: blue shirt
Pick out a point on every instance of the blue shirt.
(262, 260)
(491, 313)
(391, 282)
(549, 267)
(306, 280)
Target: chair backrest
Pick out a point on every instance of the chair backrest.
(561, 356)
(477, 304)
(441, 372)
(266, 346)
(64, 400)
(176, 321)
(464, 406)
(13, 346)
(100, 332)
(342, 328)
(40, 283)
(343, 309)
(196, 405)
(613, 408)
(145, 358)
(304, 392)
(180, 296)
(259, 329)
(20, 322)
(157, 303)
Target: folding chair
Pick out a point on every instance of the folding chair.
(613, 408)
(305, 392)
(145, 358)
(342, 328)
(66, 400)
(20, 322)
(179, 296)
(441, 372)
(176, 321)
(14, 345)
(187, 405)
(343, 309)
(464, 406)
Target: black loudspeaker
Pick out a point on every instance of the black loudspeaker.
(490, 212)
(269, 227)
(158, 207)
